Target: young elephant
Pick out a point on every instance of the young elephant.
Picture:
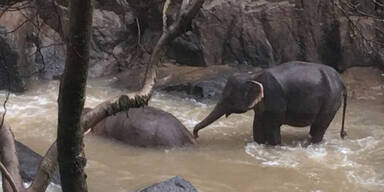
(145, 127)
(294, 93)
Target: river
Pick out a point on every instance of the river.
(225, 159)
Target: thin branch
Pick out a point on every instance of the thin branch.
(5, 105)
(139, 36)
(8, 89)
(184, 5)
(357, 29)
(8, 176)
(138, 32)
(165, 10)
(9, 158)
(28, 20)
(59, 22)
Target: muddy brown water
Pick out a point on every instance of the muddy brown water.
(225, 158)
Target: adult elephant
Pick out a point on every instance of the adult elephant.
(294, 93)
(145, 127)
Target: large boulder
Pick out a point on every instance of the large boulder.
(200, 83)
(245, 33)
(10, 77)
(50, 55)
(175, 184)
(229, 33)
(16, 48)
(267, 32)
(107, 34)
(187, 50)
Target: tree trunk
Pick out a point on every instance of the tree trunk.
(71, 98)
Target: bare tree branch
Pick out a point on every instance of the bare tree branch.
(46, 169)
(139, 36)
(5, 107)
(7, 94)
(9, 158)
(8, 176)
(354, 12)
(165, 10)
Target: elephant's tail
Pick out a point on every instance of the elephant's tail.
(342, 132)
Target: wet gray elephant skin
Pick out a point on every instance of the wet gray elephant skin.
(294, 93)
(145, 127)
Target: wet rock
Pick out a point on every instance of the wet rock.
(117, 6)
(256, 33)
(35, 51)
(175, 184)
(264, 33)
(16, 48)
(199, 90)
(50, 54)
(10, 77)
(229, 34)
(29, 163)
(199, 83)
(244, 33)
(187, 50)
(107, 33)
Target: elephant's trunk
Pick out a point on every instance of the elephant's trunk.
(217, 112)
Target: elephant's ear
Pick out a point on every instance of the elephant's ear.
(254, 94)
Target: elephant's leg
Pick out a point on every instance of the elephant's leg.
(258, 129)
(320, 125)
(273, 136)
(271, 124)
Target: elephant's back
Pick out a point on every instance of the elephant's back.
(295, 71)
(298, 75)
(148, 127)
(307, 86)
(159, 128)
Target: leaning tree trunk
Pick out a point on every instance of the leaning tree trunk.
(71, 98)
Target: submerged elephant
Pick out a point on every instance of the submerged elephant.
(294, 93)
(145, 127)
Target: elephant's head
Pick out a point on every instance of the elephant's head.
(241, 93)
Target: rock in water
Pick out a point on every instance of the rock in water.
(175, 184)
(29, 163)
